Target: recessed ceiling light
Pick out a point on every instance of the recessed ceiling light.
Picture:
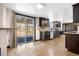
(40, 6)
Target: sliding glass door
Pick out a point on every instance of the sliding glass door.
(25, 29)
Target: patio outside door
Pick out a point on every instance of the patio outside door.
(25, 29)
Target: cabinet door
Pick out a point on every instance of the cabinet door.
(40, 21)
(43, 22)
(47, 35)
(72, 42)
(76, 14)
(41, 36)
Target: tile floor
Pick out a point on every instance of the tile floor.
(54, 47)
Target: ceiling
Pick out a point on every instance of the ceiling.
(53, 11)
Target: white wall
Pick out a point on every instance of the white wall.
(51, 35)
(78, 28)
(3, 40)
(5, 22)
(37, 29)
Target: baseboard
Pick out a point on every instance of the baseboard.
(37, 40)
(51, 38)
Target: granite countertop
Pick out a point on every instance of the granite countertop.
(73, 32)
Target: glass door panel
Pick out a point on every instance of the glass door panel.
(18, 32)
(29, 30)
(20, 24)
(25, 28)
(23, 34)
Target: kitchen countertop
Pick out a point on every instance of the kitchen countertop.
(74, 32)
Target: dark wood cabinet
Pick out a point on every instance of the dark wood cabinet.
(45, 35)
(72, 42)
(76, 13)
(56, 34)
(43, 22)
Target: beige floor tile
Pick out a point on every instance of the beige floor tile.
(54, 47)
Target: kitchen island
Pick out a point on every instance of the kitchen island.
(72, 41)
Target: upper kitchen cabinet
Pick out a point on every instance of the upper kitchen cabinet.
(56, 25)
(76, 13)
(43, 22)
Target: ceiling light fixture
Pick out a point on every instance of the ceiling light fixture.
(40, 6)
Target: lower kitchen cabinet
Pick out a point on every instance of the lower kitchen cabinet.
(72, 42)
(45, 35)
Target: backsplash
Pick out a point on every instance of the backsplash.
(78, 28)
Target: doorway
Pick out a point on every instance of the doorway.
(25, 29)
